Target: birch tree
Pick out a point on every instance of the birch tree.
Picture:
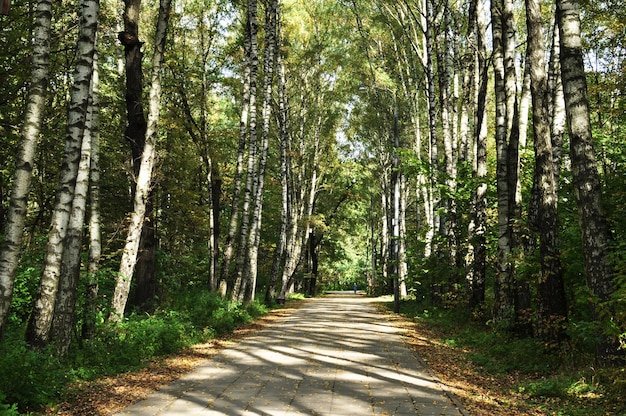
(62, 327)
(477, 253)
(38, 331)
(433, 145)
(552, 309)
(285, 162)
(95, 236)
(144, 179)
(135, 134)
(443, 48)
(16, 215)
(304, 183)
(507, 140)
(596, 234)
(254, 238)
(252, 60)
(230, 244)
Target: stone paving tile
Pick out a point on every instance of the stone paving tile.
(334, 356)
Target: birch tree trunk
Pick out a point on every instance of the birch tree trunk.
(556, 105)
(504, 87)
(596, 234)
(235, 213)
(65, 306)
(238, 288)
(385, 205)
(95, 243)
(552, 308)
(144, 179)
(402, 257)
(135, 134)
(477, 254)
(18, 205)
(38, 331)
(304, 184)
(283, 127)
(449, 226)
(214, 180)
(433, 196)
(257, 214)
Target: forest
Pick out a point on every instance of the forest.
(171, 169)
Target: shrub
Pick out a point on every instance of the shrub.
(544, 388)
(28, 378)
(136, 339)
(7, 409)
(31, 379)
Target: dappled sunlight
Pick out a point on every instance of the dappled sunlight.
(333, 356)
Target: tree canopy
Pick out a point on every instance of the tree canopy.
(429, 149)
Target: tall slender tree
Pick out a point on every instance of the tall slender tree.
(252, 60)
(144, 179)
(433, 146)
(38, 331)
(16, 215)
(551, 290)
(88, 329)
(477, 254)
(507, 140)
(596, 234)
(284, 138)
(230, 244)
(64, 318)
(135, 134)
(269, 63)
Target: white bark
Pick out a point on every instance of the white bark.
(253, 154)
(596, 234)
(433, 194)
(95, 235)
(144, 179)
(40, 322)
(235, 214)
(268, 82)
(504, 86)
(477, 254)
(65, 305)
(304, 186)
(402, 264)
(16, 215)
(556, 106)
(283, 119)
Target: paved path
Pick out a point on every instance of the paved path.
(333, 356)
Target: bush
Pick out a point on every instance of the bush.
(28, 378)
(544, 388)
(31, 379)
(193, 317)
(210, 314)
(7, 409)
(127, 345)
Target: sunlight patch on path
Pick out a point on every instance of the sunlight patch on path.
(334, 356)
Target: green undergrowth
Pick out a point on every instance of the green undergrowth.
(30, 380)
(557, 381)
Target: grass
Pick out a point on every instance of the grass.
(520, 375)
(31, 380)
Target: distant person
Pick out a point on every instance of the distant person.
(355, 288)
